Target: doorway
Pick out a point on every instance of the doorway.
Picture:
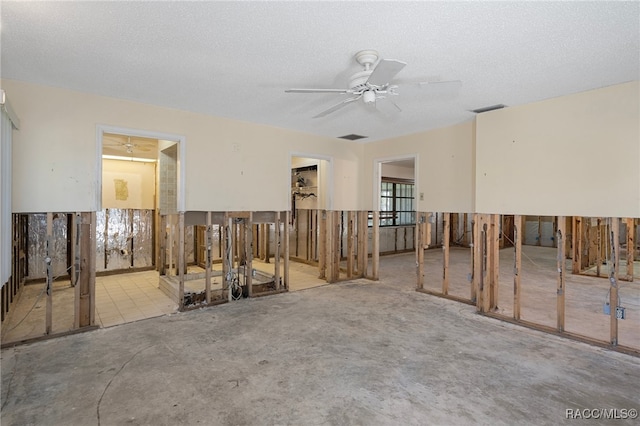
(140, 178)
(309, 197)
(396, 198)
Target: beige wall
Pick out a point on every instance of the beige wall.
(229, 165)
(128, 184)
(391, 170)
(444, 165)
(573, 155)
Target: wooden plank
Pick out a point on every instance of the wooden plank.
(248, 253)
(162, 250)
(497, 236)
(276, 256)
(539, 235)
(484, 259)
(83, 287)
(375, 267)
(256, 238)
(517, 268)
(208, 241)
(181, 259)
(267, 242)
(227, 257)
(92, 270)
(105, 234)
(351, 248)
(495, 260)
(445, 252)
(72, 230)
(313, 235)
(362, 244)
(261, 241)
(631, 230)
(454, 228)
(614, 270)
(309, 240)
(465, 230)
(575, 245)
(286, 250)
(420, 234)
(476, 260)
(297, 232)
(599, 247)
(473, 284)
(49, 284)
(560, 241)
(322, 255)
(239, 214)
(336, 239)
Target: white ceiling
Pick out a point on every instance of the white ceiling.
(235, 59)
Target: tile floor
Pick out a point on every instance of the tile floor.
(130, 297)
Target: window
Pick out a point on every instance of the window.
(396, 202)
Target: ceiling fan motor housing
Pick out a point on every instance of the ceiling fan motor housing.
(369, 97)
(358, 80)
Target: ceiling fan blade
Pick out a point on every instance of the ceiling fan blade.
(316, 91)
(448, 84)
(384, 72)
(338, 106)
(396, 105)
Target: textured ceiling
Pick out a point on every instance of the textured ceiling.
(235, 59)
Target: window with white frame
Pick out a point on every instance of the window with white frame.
(397, 202)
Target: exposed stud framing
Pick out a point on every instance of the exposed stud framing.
(322, 255)
(445, 253)
(560, 241)
(277, 254)
(375, 267)
(517, 268)
(614, 270)
(49, 284)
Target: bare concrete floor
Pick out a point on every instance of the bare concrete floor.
(358, 352)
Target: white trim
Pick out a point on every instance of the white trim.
(328, 191)
(123, 158)
(6, 106)
(377, 177)
(101, 129)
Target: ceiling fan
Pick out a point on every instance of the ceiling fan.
(370, 85)
(125, 143)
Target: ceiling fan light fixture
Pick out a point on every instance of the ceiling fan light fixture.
(369, 97)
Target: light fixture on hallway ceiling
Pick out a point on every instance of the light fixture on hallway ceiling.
(129, 145)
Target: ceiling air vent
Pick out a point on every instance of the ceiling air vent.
(488, 108)
(352, 137)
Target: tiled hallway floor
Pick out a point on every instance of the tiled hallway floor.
(119, 299)
(130, 297)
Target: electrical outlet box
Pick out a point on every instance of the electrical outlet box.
(620, 313)
(606, 309)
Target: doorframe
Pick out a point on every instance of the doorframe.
(101, 129)
(377, 178)
(328, 181)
